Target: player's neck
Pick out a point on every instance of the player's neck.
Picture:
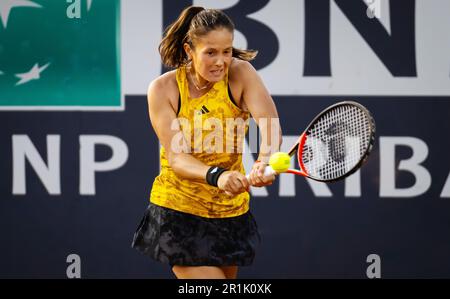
(197, 81)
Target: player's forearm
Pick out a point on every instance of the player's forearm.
(188, 167)
(271, 138)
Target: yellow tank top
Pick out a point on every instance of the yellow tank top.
(211, 124)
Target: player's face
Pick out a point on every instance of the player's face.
(212, 55)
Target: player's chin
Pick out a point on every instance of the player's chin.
(216, 75)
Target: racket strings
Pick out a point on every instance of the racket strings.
(337, 142)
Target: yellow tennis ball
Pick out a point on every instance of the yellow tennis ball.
(280, 162)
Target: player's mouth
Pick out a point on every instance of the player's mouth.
(217, 72)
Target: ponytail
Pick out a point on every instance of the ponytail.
(175, 35)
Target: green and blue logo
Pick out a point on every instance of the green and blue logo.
(60, 55)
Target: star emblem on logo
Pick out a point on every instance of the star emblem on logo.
(32, 74)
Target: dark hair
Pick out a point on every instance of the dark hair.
(195, 21)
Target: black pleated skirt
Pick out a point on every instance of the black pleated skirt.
(178, 238)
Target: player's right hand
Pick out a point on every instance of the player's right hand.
(233, 183)
(257, 178)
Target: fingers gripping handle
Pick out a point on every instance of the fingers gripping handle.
(267, 171)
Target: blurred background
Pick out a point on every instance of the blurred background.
(79, 155)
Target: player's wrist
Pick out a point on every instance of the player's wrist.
(213, 174)
(259, 165)
(263, 157)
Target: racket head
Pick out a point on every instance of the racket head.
(336, 143)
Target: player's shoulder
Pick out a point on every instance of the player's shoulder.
(240, 66)
(164, 84)
(240, 69)
(163, 89)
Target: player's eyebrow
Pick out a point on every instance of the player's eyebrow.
(215, 49)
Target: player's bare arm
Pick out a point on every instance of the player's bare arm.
(257, 100)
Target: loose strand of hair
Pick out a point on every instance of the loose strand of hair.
(246, 55)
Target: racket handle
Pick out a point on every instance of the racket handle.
(267, 171)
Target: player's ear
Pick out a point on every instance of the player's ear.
(188, 50)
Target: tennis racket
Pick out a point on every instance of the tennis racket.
(335, 144)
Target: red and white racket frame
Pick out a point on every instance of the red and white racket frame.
(299, 145)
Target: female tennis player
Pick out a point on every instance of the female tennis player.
(198, 220)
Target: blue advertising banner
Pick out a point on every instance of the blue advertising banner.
(100, 177)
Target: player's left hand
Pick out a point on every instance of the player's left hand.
(257, 177)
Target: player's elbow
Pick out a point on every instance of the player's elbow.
(172, 159)
(175, 162)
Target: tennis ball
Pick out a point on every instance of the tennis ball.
(280, 162)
